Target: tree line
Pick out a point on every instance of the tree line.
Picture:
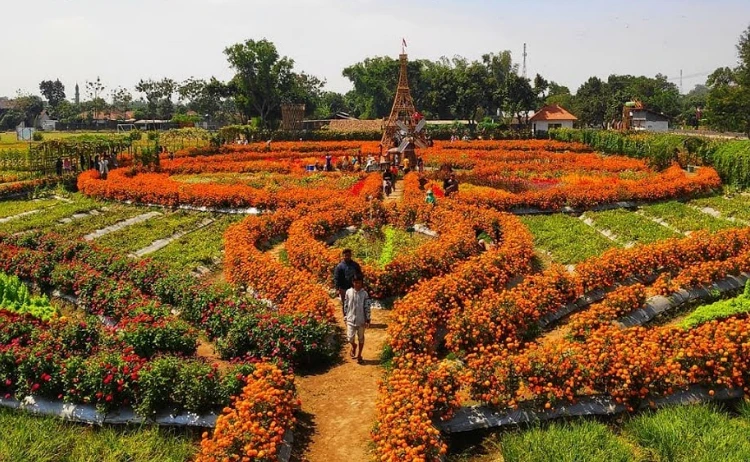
(447, 88)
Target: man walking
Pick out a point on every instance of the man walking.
(344, 274)
(356, 316)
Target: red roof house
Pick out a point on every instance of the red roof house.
(552, 116)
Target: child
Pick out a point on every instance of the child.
(357, 316)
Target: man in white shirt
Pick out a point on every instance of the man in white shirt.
(356, 316)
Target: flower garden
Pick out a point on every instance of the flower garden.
(159, 290)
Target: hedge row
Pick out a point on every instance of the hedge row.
(731, 159)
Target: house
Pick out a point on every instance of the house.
(45, 122)
(643, 119)
(549, 117)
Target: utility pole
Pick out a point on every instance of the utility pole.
(523, 72)
(681, 92)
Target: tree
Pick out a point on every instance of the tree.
(590, 103)
(374, 81)
(94, 89)
(262, 79)
(728, 99)
(121, 100)
(521, 98)
(27, 108)
(158, 96)
(560, 95)
(54, 92)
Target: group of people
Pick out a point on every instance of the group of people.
(355, 302)
(101, 163)
(450, 187)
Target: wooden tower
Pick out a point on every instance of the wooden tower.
(402, 123)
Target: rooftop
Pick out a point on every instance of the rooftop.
(552, 112)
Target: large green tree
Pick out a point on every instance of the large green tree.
(728, 100)
(53, 91)
(263, 78)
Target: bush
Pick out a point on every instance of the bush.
(37, 136)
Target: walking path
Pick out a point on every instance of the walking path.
(338, 404)
(397, 194)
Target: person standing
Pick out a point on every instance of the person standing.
(345, 272)
(59, 167)
(430, 197)
(104, 167)
(329, 163)
(450, 185)
(357, 316)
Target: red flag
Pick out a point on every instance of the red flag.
(403, 42)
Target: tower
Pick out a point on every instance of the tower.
(403, 129)
(523, 72)
(78, 95)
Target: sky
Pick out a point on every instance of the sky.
(567, 41)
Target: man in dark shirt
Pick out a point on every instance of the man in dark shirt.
(344, 274)
(450, 185)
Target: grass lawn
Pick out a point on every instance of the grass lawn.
(701, 433)
(685, 218)
(140, 235)
(46, 439)
(629, 227)
(735, 207)
(381, 249)
(47, 219)
(568, 239)
(198, 248)
(15, 207)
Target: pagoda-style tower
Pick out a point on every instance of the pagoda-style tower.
(401, 125)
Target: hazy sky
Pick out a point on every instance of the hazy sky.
(568, 41)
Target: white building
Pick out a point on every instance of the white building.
(648, 120)
(549, 117)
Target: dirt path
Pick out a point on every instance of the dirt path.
(338, 406)
(397, 194)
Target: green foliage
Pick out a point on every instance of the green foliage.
(382, 247)
(732, 161)
(691, 433)
(685, 218)
(50, 439)
(719, 310)
(37, 136)
(578, 441)
(198, 248)
(140, 235)
(630, 227)
(568, 239)
(15, 297)
(736, 206)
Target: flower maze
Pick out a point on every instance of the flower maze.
(484, 312)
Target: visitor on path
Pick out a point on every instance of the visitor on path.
(420, 164)
(82, 162)
(356, 316)
(345, 273)
(104, 167)
(67, 166)
(59, 166)
(450, 185)
(387, 182)
(268, 146)
(329, 163)
(429, 198)
(406, 165)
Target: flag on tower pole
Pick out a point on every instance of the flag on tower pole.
(403, 44)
